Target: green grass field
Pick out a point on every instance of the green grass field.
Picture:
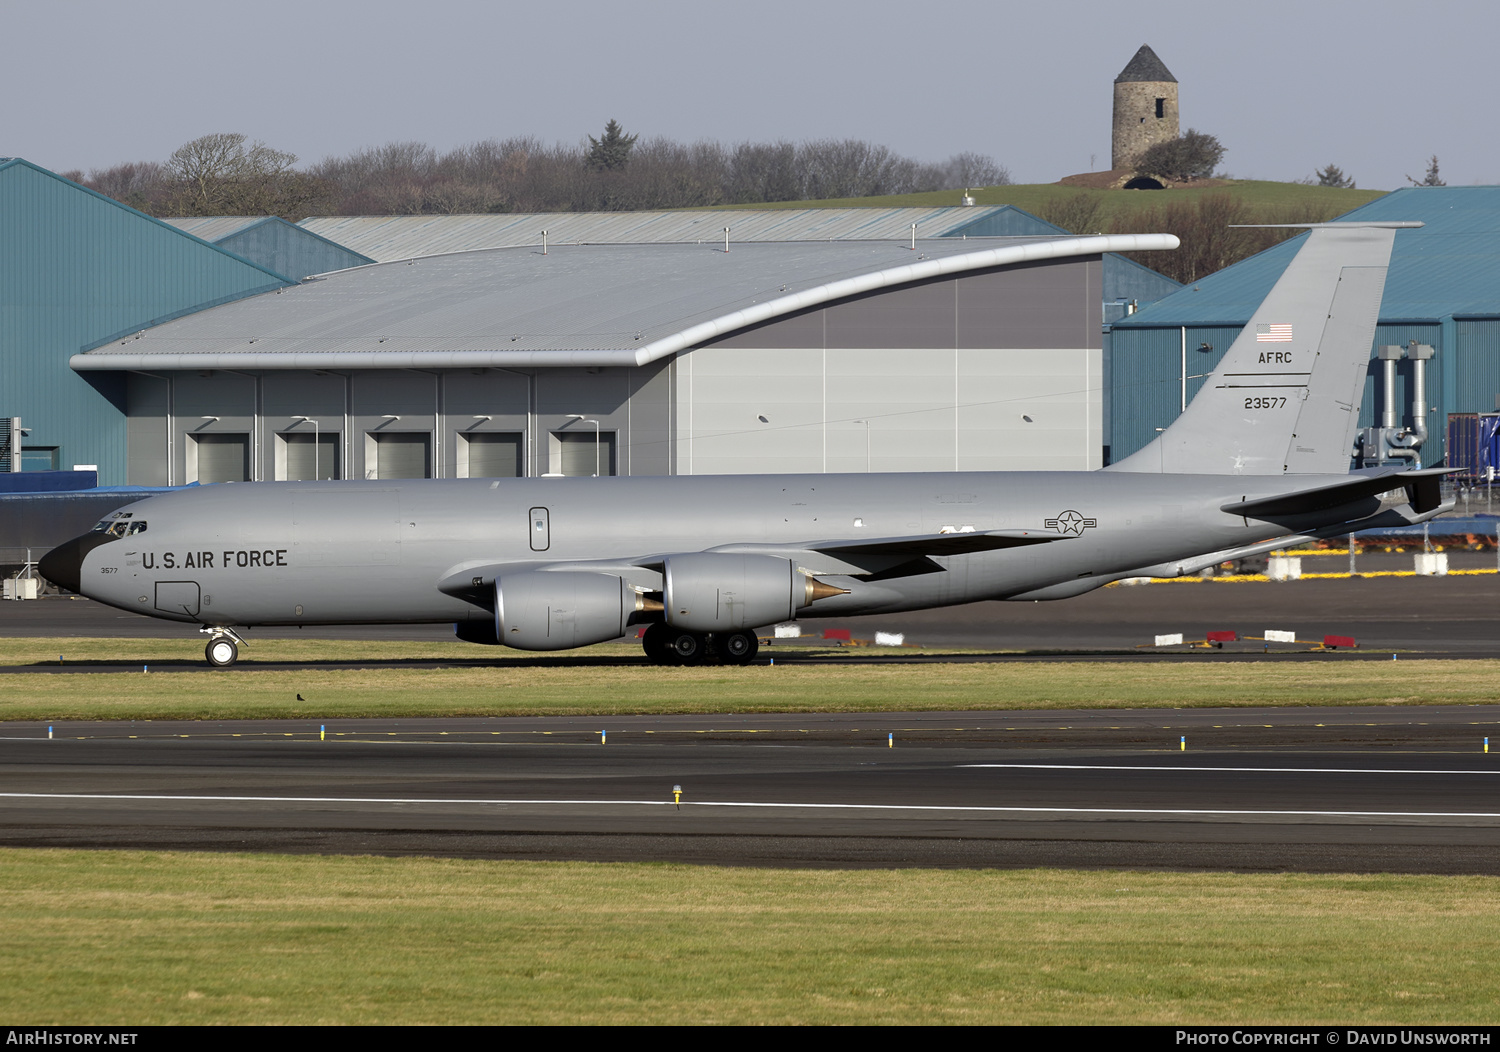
(1035, 197)
(614, 680)
(135, 938)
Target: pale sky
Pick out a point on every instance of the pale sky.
(1375, 87)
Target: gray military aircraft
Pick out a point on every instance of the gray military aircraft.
(1259, 460)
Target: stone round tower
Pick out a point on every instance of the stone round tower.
(1145, 108)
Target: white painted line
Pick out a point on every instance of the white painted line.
(1259, 770)
(926, 808)
(310, 799)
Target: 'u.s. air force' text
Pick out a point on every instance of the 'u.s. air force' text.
(214, 560)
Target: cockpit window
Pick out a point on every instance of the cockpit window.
(120, 524)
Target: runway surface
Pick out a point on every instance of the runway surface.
(1347, 789)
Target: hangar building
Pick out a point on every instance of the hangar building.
(977, 354)
(637, 345)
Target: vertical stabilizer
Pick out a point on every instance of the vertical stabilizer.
(1285, 398)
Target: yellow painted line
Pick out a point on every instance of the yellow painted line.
(1257, 578)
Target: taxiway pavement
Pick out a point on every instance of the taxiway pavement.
(1399, 789)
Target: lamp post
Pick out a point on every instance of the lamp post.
(317, 447)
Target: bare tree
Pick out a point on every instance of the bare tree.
(972, 169)
(144, 185)
(762, 171)
(225, 174)
(219, 175)
(203, 167)
(1076, 213)
(1206, 226)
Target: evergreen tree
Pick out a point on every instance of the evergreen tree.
(1334, 176)
(1432, 178)
(611, 152)
(1192, 155)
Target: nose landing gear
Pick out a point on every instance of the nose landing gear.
(223, 647)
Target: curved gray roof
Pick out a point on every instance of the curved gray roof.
(389, 238)
(1145, 66)
(593, 305)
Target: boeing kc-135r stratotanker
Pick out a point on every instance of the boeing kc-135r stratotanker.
(1260, 459)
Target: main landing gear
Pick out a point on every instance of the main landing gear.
(665, 645)
(223, 647)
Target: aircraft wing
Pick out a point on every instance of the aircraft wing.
(937, 543)
(879, 556)
(892, 556)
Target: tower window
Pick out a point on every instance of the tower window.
(1161, 108)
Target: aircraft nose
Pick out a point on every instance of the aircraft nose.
(63, 565)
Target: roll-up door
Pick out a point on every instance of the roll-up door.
(403, 455)
(223, 458)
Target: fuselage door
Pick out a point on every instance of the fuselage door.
(541, 530)
(177, 597)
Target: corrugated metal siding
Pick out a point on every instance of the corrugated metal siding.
(290, 250)
(79, 269)
(1004, 221)
(1125, 279)
(387, 238)
(621, 296)
(212, 228)
(1477, 366)
(1145, 379)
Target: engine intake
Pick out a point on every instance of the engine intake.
(558, 610)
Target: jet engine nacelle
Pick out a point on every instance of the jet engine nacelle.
(714, 592)
(558, 610)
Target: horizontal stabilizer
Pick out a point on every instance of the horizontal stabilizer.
(1422, 488)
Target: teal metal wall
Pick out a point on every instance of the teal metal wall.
(78, 270)
(1476, 383)
(290, 250)
(1144, 388)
